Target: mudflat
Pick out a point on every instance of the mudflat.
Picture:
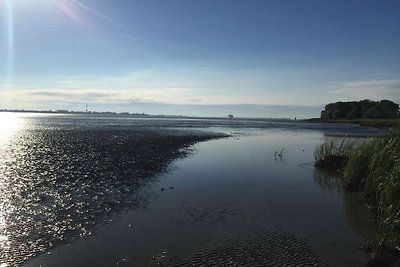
(93, 191)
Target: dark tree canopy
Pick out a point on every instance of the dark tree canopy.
(364, 109)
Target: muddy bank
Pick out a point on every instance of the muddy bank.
(58, 184)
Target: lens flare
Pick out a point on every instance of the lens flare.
(67, 9)
(75, 10)
(94, 12)
(9, 16)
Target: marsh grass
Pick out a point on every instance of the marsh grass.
(279, 154)
(374, 168)
(382, 186)
(356, 169)
(329, 155)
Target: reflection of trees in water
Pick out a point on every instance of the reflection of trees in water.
(328, 180)
(355, 209)
(58, 184)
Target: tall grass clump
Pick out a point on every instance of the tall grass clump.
(373, 167)
(329, 155)
(382, 186)
(389, 207)
(356, 170)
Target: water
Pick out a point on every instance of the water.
(96, 191)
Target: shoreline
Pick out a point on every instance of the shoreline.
(225, 186)
(211, 205)
(75, 179)
(372, 169)
(376, 123)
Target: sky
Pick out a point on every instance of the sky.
(250, 58)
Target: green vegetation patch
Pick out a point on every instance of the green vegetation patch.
(356, 169)
(394, 123)
(332, 156)
(378, 123)
(373, 167)
(364, 109)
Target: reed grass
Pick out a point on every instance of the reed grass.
(382, 186)
(374, 168)
(332, 156)
(356, 169)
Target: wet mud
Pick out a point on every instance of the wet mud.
(57, 184)
(64, 179)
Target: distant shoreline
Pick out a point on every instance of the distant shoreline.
(379, 123)
(143, 115)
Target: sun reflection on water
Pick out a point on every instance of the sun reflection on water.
(10, 123)
(3, 238)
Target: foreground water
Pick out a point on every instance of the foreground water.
(91, 191)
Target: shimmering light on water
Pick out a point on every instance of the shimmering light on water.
(63, 176)
(3, 241)
(10, 123)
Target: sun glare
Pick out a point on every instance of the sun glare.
(80, 13)
(10, 125)
(9, 22)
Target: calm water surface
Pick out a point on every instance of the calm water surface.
(98, 205)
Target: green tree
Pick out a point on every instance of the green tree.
(384, 109)
(388, 109)
(373, 113)
(355, 113)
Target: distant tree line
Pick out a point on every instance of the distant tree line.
(364, 109)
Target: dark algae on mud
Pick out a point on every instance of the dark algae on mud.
(57, 183)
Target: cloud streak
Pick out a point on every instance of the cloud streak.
(94, 96)
(369, 89)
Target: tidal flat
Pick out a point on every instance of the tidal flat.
(104, 191)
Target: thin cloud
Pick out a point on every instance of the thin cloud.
(370, 89)
(48, 93)
(95, 96)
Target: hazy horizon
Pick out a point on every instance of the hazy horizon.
(198, 58)
(239, 111)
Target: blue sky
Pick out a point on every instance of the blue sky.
(208, 58)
